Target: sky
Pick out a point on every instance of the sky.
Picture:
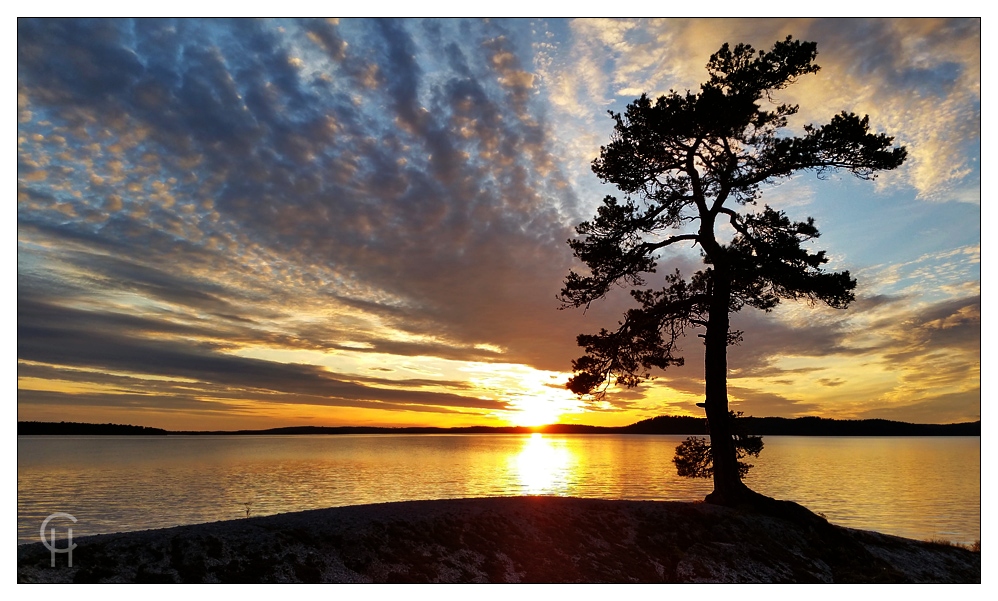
(251, 224)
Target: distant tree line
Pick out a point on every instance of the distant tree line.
(75, 428)
(805, 426)
(664, 424)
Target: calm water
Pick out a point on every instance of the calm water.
(915, 487)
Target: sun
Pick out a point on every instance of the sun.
(532, 412)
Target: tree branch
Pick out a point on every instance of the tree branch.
(650, 246)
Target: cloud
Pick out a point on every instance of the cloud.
(54, 335)
(919, 78)
(953, 324)
(420, 215)
(762, 403)
(956, 407)
(193, 192)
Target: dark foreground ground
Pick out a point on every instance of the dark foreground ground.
(516, 539)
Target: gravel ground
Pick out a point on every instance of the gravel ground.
(513, 539)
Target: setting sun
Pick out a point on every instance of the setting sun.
(536, 412)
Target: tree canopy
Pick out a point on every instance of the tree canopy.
(686, 163)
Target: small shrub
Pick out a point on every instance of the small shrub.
(694, 458)
(974, 547)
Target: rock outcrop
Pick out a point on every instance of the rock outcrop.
(514, 539)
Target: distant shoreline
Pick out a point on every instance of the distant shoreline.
(674, 425)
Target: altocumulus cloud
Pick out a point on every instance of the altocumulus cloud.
(196, 194)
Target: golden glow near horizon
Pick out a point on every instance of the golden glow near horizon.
(275, 223)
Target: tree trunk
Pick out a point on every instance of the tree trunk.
(728, 486)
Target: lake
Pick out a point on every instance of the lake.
(922, 488)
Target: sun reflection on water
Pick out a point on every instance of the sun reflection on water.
(544, 466)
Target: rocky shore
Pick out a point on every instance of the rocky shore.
(513, 539)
